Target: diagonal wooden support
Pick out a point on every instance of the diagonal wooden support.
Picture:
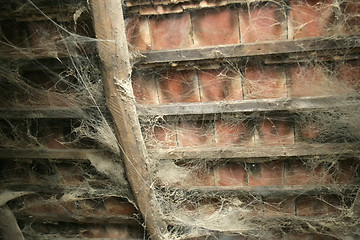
(113, 50)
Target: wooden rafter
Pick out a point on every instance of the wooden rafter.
(279, 48)
(113, 50)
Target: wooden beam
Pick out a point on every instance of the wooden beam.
(248, 106)
(236, 51)
(268, 191)
(85, 192)
(42, 112)
(9, 228)
(250, 154)
(45, 153)
(80, 217)
(113, 51)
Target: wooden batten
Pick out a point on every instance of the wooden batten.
(113, 50)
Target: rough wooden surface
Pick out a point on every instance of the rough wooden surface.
(248, 154)
(113, 50)
(236, 51)
(35, 153)
(248, 106)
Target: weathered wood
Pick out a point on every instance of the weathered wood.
(283, 47)
(45, 153)
(113, 50)
(80, 217)
(88, 192)
(265, 153)
(42, 112)
(268, 191)
(248, 106)
(9, 228)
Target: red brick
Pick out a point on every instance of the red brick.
(13, 35)
(218, 85)
(347, 171)
(276, 132)
(71, 174)
(310, 18)
(37, 206)
(231, 174)
(297, 173)
(178, 86)
(94, 232)
(170, 31)
(160, 136)
(266, 174)
(314, 81)
(298, 236)
(264, 82)
(233, 132)
(313, 206)
(323, 237)
(144, 87)
(215, 26)
(195, 134)
(118, 232)
(349, 73)
(279, 206)
(138, 34)
(309, 131)
(116, 206)
(351, 17)
(46, 40)
(262, 22)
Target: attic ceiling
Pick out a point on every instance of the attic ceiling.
(179, 119)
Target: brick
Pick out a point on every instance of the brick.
(266, 174)
(160, 136)
(347, 171)
(275, 132)
(144, 87)
(138, 34)
(37, 206)
(297, 173)
(264, 82)
(348, 73)
(324, 237)
(313, 81)
(309, 131)
(116, 206)
(215, 26)
(233, 132)
(118, 232)
(231, 174)
(279, 206)
(13, 34)
(314, 206)
(178, 86)
(46, 40)
(304, 20)
(195, 134)
(94, 232)
(350, 18)
(218, 85)
(71, 174)
(262, 22)
(170, 31)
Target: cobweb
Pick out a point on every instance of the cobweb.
(49, 60)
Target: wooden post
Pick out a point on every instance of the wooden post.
(113, 50)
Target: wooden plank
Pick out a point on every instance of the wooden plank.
(9, 229)
(268, 191)
(248, 106)
(88, 192)
(81, 217)
(113, 51)
(45, 153)
(250, 154)
(42, 112)
(283, 47)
